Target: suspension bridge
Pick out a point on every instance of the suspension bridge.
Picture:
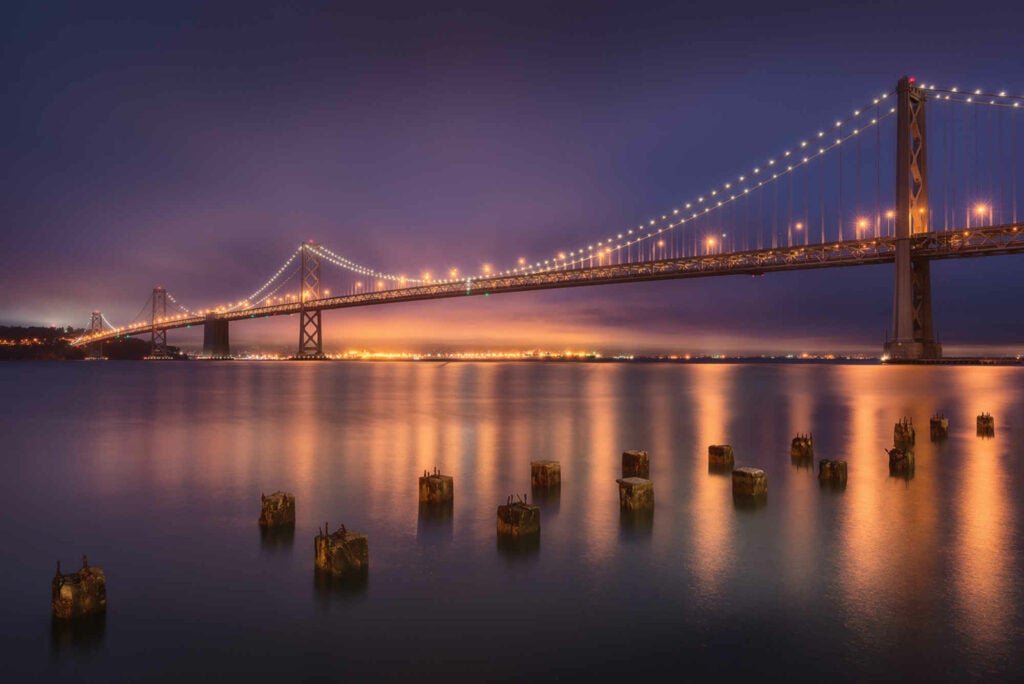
(818, 204)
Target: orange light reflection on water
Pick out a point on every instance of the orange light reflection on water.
(713, 515)
(985, 532)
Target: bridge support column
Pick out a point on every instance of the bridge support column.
(215, 338)
(913, 333)
(158, 336)
(311, 344)
(94, 350)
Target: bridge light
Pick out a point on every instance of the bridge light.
(890, 214)
(980, 209)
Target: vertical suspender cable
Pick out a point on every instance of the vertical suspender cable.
(823, 170)
(840, 231)
(1013, 162)
(878, 172)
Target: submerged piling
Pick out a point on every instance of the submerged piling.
(518, 519)
(986, 425)
(79, 594)
(939, 427)
(750, 483)
(636, 464)
(832, 472)
(342, 552)
(277, 509)
(901, 461)
(802, 447)
(545, 474)
(720, 456)
(903, 433)
(436, 489)
(636, 494)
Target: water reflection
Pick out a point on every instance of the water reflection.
(888, 578)
(985, 530)
(277, 539)
(548, 498)
(350, 588)
(711, 512)
(517, 549)
(82, 637)
(636, 525)
(434, 523)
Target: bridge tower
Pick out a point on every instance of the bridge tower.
(311, 344)
(94, 350)
(913, 332)
(158, 337)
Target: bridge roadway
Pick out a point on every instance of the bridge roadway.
(975, 242)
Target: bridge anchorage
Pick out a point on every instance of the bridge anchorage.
(913, 332)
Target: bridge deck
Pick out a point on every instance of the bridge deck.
(983, 241)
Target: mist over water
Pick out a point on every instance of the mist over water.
(155, 471)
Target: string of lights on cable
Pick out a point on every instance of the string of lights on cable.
(759, 176)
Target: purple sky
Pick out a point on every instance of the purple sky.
(192, 146)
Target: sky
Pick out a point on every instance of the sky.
(193, 145)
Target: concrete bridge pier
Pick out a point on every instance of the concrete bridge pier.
(215, 337)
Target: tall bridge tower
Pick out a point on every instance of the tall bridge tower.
(94, 350)
(311, 345)
(158, 337)
(913, 332)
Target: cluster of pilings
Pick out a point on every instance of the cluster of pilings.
(344, 554)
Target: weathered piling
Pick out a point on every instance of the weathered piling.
(277, 509)
(720, 456)
(545, 474)
(79, 594)
(342, 552)
(749, 483)
(518, 519)
(903, 433)
(986, 425)
(636, 464)
(636, 494)
(436, 489)
(939, 427)
(901, 461)
(832, 472)
(802, 448)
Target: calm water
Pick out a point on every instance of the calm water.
(155, 470)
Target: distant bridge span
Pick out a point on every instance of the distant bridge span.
(977, 242)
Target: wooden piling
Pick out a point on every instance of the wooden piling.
(749, 483)
(518, 519)
(277, 509)
(903, 433)
(636, 464)
(79, 594)
(436, 488)
(545, 474)
(832, 472)
(720, 456)
(986, 425)
(342, 552)
(636, 494)
(802, 448)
